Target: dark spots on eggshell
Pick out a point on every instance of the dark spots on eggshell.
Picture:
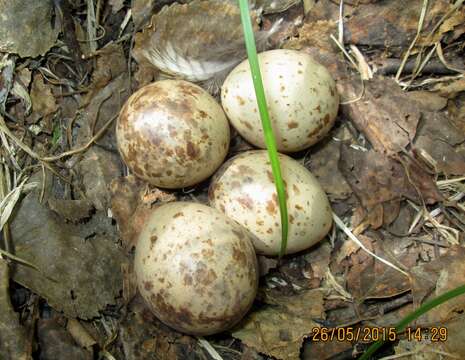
(292, 125)
(298, 207)
(187, 280)
(239, 256)
(148, 285)
(240, 100)
(153, 239)
(271, 207)
(246, 201)
(203, 114)
(269, 174)
(247, 124)
(269, 230)
(178, 214)
(296, 189)
(203, 275)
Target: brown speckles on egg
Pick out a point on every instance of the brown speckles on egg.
(209, 281)
(271, 207)
(162, 118)
(288, 77)
(292, 125)
(301, 188)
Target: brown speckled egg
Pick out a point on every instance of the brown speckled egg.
(172, 134)
(301, 96)
(244, 190)
(196, 269)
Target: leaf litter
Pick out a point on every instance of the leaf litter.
(392, 167)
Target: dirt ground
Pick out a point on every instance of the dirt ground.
(393, 168)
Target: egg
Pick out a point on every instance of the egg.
(301, 96)
(244, 190)
(172, 134)
(195, 268)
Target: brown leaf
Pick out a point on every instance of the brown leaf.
(13, 344)
(79, 277)
(445, 273)
(377, 179)
(279, 330)
(26, 29)
(143, 336)
(392, 24)
(385, 115)
(97, 169)
(132, 202)
(111, 62)
(56, 343)
(43, 101)
(71, 210)
(323, 163)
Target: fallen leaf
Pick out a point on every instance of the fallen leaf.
(323, 163)
(279, 330)
(57, 344)
(143, 337)
(26, 29)
(97, 169)
(116, 5)
(377, 179)
(79, 277)
(43, 101)
(13, 339)
(71, 210)
(385, 115)
(439, 138)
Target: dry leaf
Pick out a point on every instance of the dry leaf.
(279, 330)
(79, 277)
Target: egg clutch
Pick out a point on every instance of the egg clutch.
(196, 264)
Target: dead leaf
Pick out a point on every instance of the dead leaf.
(392, 24)
(439, 138)
(111, 63)
(143, 336)
(116, 5)
(57, 344)
(13, 340)
(131, 204)
(43, 101)
(26, 29)
(71, 210)
(429, 101)
(98, 168)
(79, 277)
(279, 330)
(323, 163)
(385, 115)
(447, 272)
(377, 179)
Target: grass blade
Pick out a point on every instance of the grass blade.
(266, 123)
(427, 306)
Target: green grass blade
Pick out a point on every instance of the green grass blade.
(427, 306)
(266, 124)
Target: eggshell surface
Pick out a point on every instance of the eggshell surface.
(244, 190)
(196, 269)
(301, 96)
(172, 134)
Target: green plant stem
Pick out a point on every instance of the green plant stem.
(265, 118)
(427, 306)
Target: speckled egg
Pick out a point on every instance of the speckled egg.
(301, 96)
(172, 134)
(196, 269)
(244, 190)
